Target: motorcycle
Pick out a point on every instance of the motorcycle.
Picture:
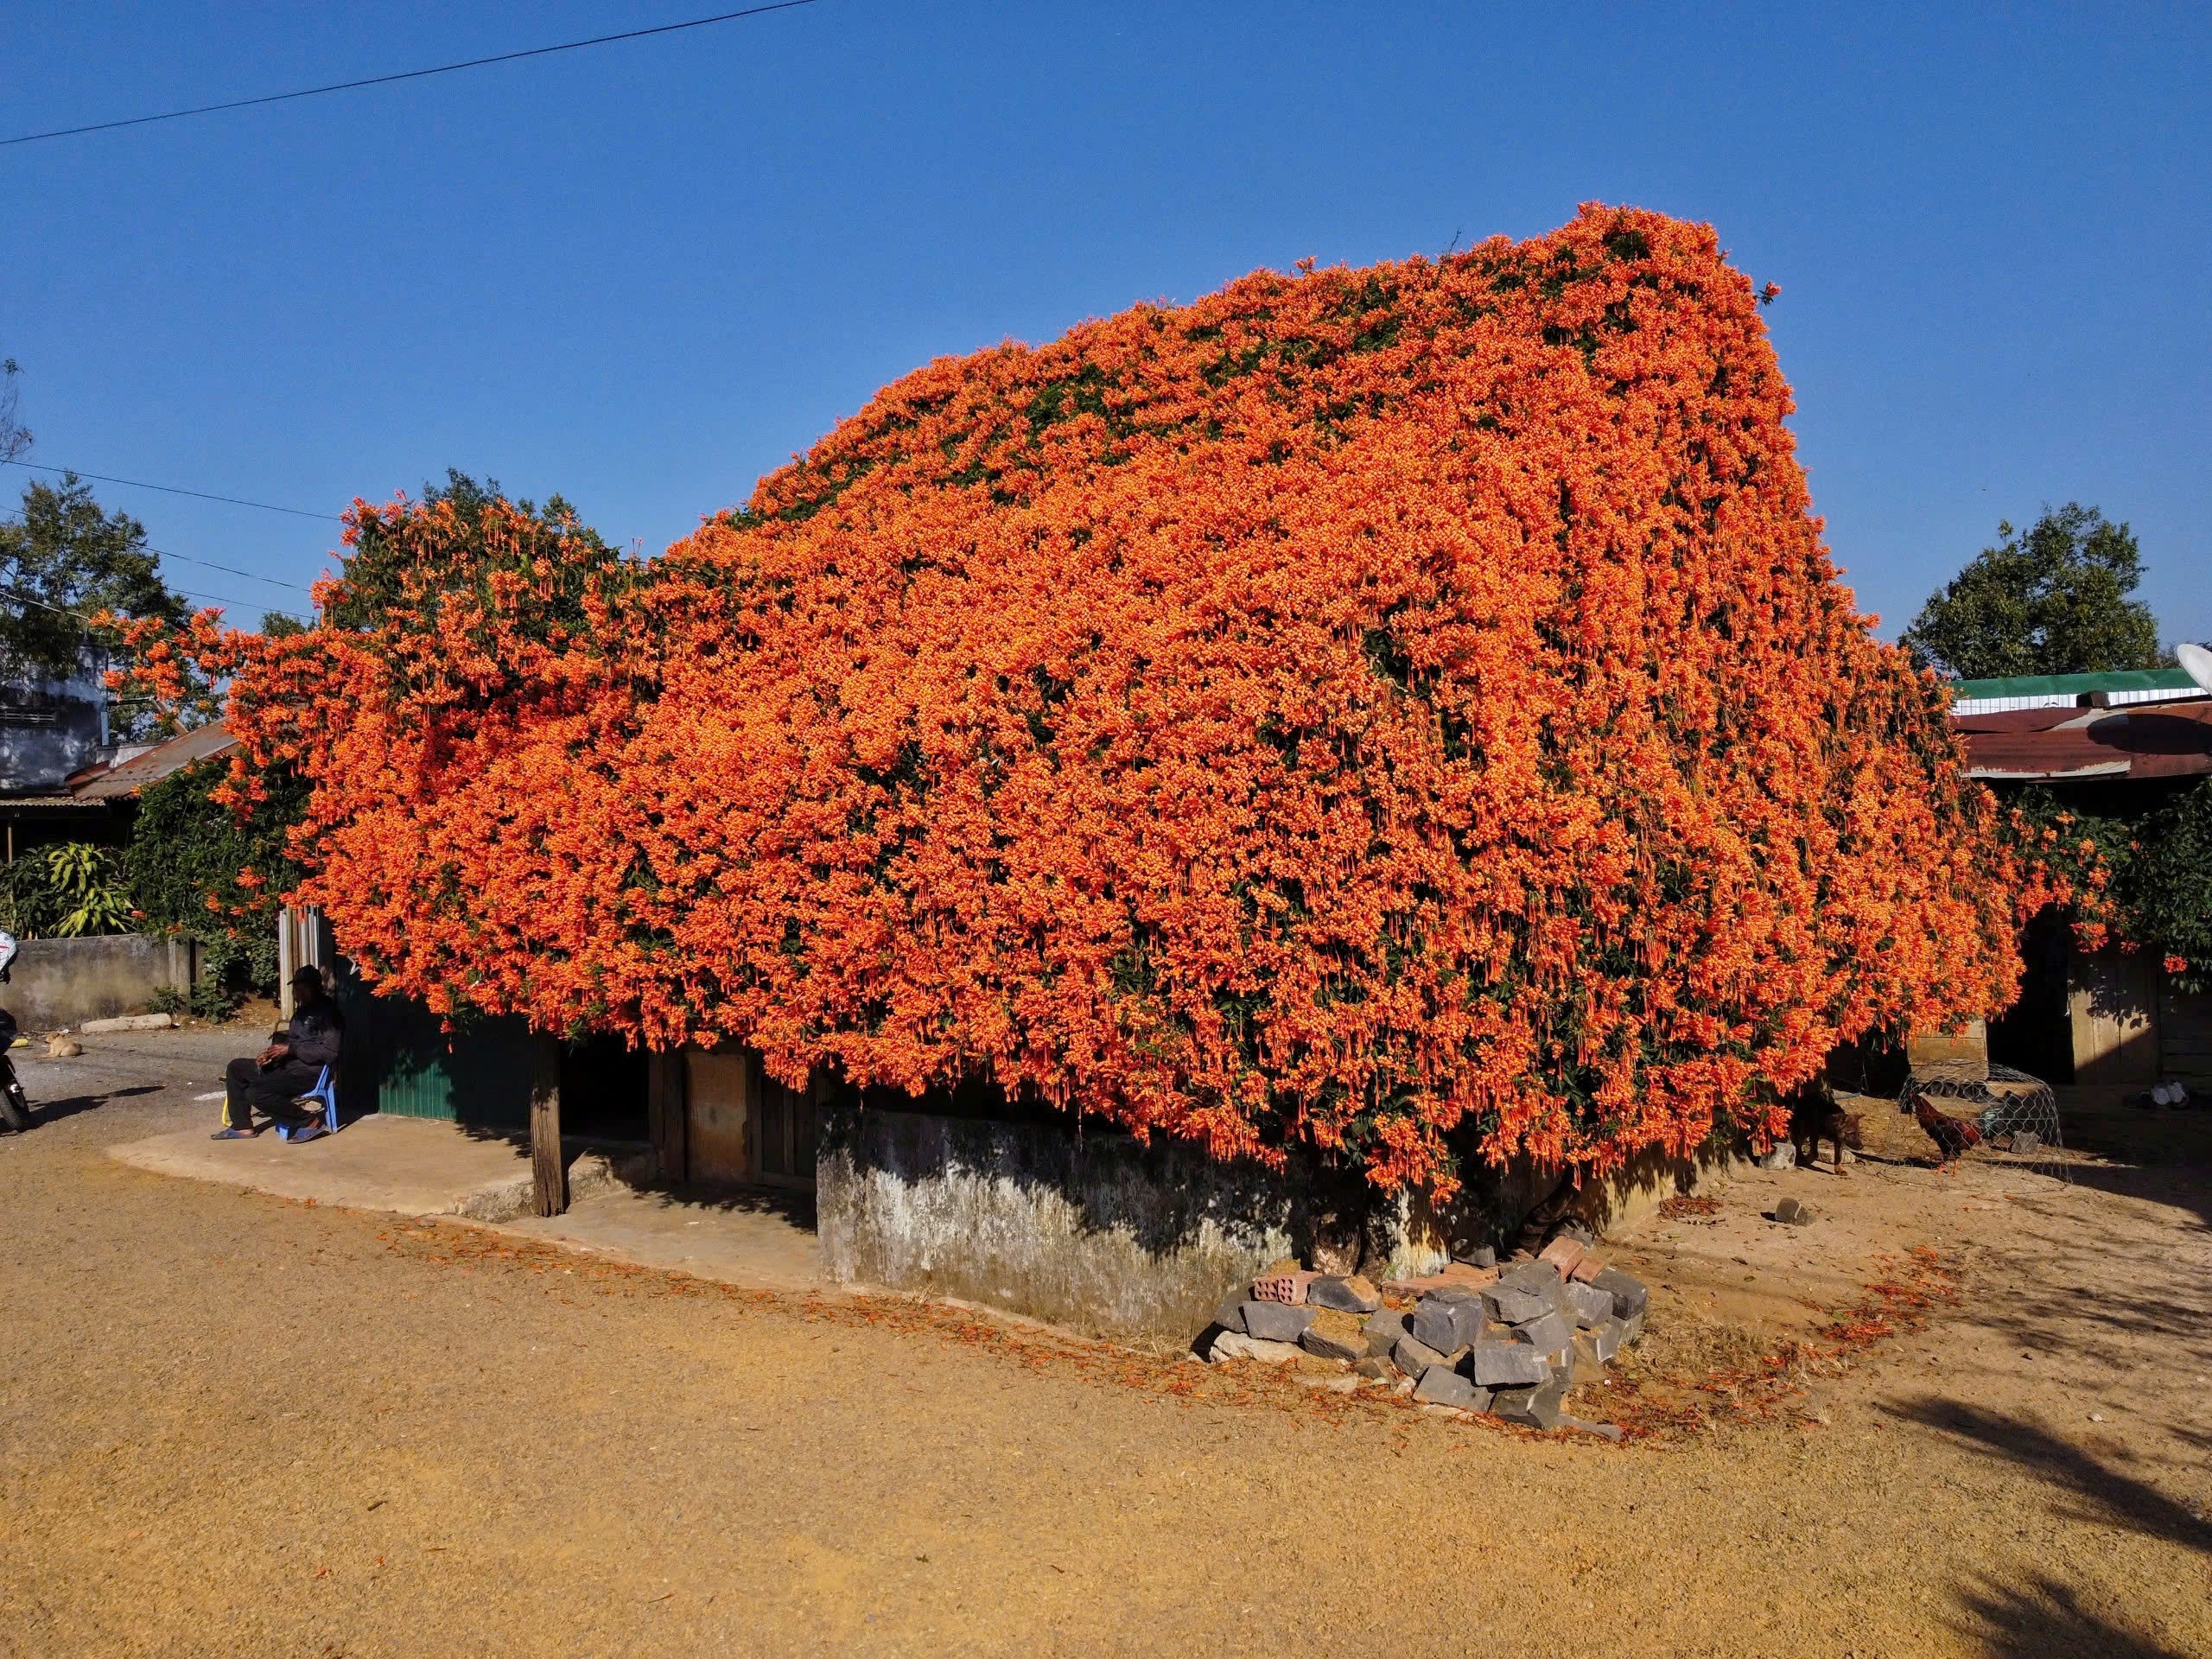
(15, 1105)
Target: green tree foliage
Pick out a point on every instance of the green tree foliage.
(2052, 599)
(2169, 887)
(198, 868)
(63, 560)
(377, 558)
(15, 437)
(2158, 869)
(67, 891)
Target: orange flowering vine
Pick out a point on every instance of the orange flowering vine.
(1404, 712)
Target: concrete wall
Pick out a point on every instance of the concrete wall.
(1100, 1234)
(57, 983)
(1104, 1236)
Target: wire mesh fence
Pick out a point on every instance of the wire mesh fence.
(1994, 1110)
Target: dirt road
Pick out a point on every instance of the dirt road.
(237, 1425)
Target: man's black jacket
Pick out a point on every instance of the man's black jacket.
(315, 1032)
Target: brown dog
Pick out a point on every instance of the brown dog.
(1814, 1117)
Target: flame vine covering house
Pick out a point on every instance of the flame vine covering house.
(1403, 713)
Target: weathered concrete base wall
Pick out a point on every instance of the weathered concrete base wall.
(1100, 1234)
(1424, 1235)
(1105, 1236)
(58, 982)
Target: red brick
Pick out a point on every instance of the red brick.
(1564, 1253)
(1283, 1287)
(1588, 1267)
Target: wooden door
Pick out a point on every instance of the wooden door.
(718, 1111)
(789, 1130)
(2113, 1008)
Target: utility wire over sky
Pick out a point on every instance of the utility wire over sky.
(404, 75)
(171, 489)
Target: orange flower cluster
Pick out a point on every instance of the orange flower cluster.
(1402, 711)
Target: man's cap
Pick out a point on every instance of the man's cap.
(305, 976)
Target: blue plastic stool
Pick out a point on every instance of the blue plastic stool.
(325, 1090)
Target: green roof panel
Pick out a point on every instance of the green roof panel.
(2054, 685)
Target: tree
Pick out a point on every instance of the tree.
(212, 859)
(15, 437)
(1365, 716)
(64, 561)
(2052, 600)
(474, 515)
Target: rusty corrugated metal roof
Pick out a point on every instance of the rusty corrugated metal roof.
(155, 764)
(2167, 739)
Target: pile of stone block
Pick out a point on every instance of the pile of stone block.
(1292, 1311)
(1509, 1342)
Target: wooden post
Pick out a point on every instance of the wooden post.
(550, 1175)
(664, 1113)
(286, 961)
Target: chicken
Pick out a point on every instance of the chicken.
(1952, 1135)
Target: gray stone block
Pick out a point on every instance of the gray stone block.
(1632, 1330)
(1231, 1344)
(1550, 1335)
(1414, 1357)
(1229, 1316)
(1783, 1156)
(1456, 1294)
(1341, 1294)
(1375, 1367)
(1384, 1331)
(1512, 1404)
(1629, 1297)
(1276, 1321)
(1540, 1407)
(1507, 1366)
(1509, 1304)
(1537, 1278)
(1447, 1324)
(1441, 1385)
(1480, 1257)
(1590, 1304)
(1605, 1338)
(1318, 1342)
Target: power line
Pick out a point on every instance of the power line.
(171, 489)
(21, 597)
(243, 605)
(406, 75)
(232, 569)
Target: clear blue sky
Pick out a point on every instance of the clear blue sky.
(644, 275)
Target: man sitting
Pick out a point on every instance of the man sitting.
(273, 1081)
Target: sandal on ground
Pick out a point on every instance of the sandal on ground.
(306, 1132)
(232, 1135)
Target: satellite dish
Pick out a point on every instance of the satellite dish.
(2197, 663)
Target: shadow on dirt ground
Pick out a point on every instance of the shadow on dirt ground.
(53, 1111)
(2104, 1496)
(2041, 1618)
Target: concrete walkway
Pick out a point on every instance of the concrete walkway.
(412, 1165)
(419, 1167)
